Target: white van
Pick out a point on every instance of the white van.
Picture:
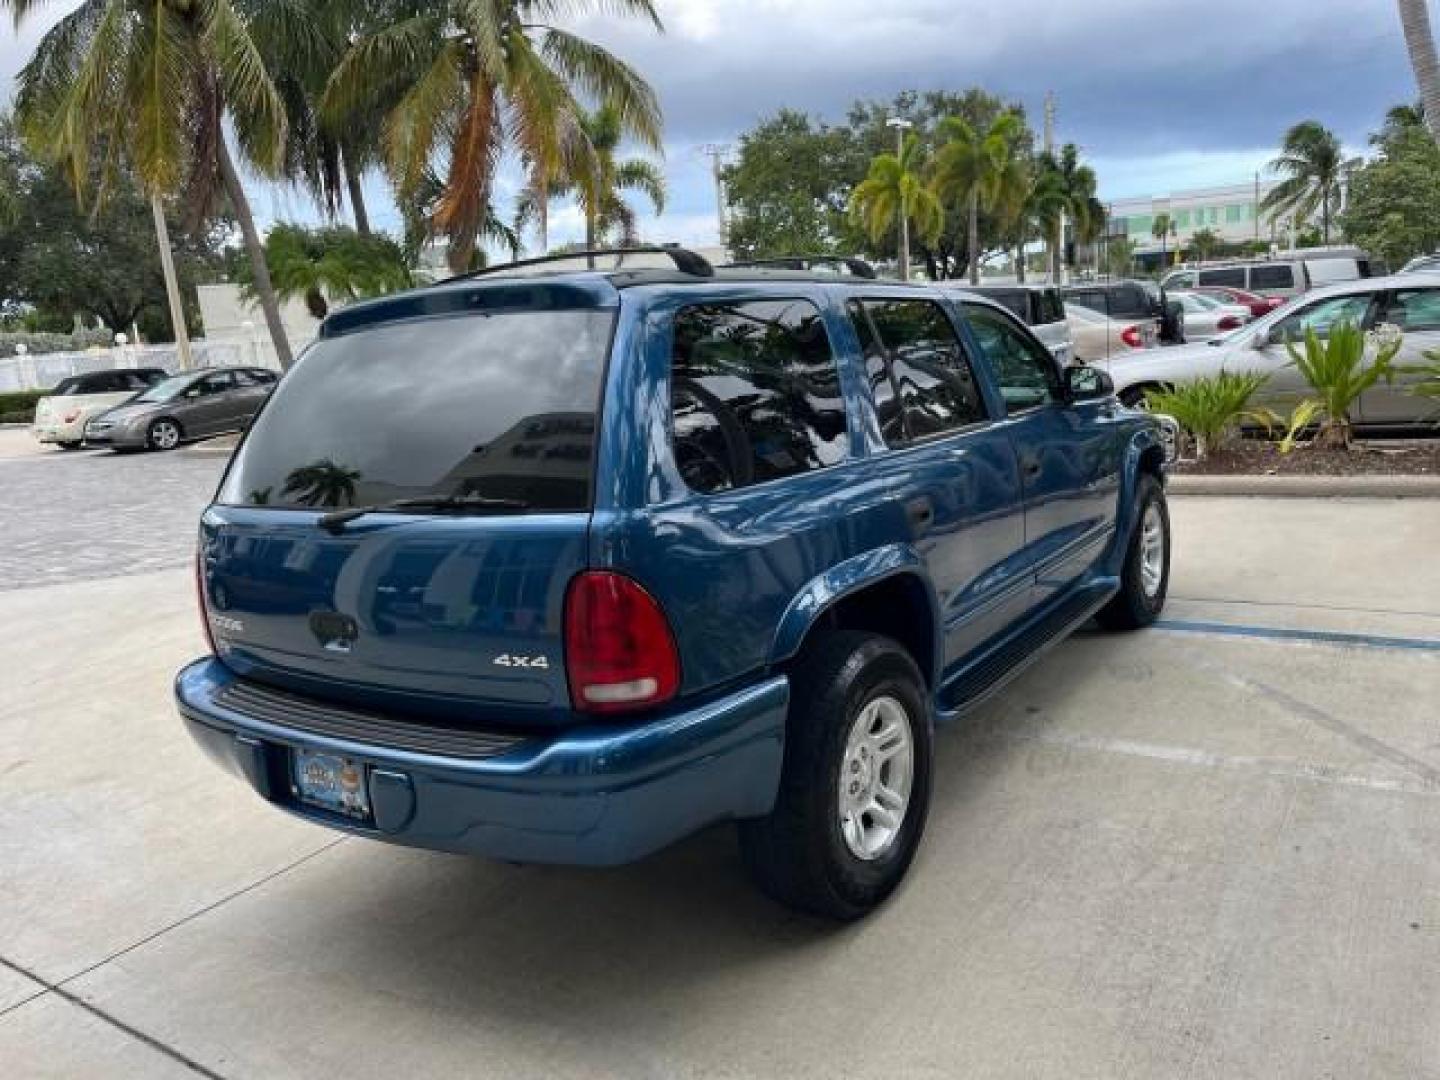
(1298, 272)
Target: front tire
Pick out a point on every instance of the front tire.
(855, 789)
(1145, 580)
(163, 434)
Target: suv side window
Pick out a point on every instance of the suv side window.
(1094, 299)
(1271, 277)
(917, 370)
(1025, 370)
(754, 394)
(1052, 309)
(1233, 276)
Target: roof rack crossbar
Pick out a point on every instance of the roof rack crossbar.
(858, 267)
(685, 260)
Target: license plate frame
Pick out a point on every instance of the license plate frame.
(335, 783)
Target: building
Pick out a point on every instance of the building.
(1231, 212)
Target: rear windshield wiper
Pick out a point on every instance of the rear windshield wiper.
(338, 519)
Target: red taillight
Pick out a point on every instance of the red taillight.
(1131, 336)
(1229, 322)
(619, 652)
(200, 602)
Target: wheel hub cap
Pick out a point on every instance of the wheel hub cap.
(1152, 551)
(875, 778)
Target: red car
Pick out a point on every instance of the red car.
(1258, 305)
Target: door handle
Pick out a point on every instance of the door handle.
(920, 513)
(1030, 466)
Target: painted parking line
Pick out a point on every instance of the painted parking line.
(1325, 637)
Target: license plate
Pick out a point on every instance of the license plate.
(331, 782)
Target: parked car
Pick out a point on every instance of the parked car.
(183, 408)
(1295, 273)
(1098, 337)
(1041, 308)
(613, 556)
(1256, 304)
(1408, 301)
(1423, 264)
(61, 417)
(1207, 318)
(1133, 301)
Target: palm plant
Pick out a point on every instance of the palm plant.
(1428, 385)
(1341, 369)
(597, 181)
(1420, 43)
(1161, 229)
(978, 166)
(1072, 188)
(462, 78)
(1210, 409)
(1314, 167)
(154, 83)
(1205, 242)
(327, 265)
(894, 187)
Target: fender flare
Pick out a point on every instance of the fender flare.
(846, 579)
(1145, 440)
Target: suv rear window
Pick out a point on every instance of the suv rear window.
(500, 406)
(1272, 277)
(755, 394)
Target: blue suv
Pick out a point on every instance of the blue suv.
(563, 567)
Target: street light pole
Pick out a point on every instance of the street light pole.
(901, 126)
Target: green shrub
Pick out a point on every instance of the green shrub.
(1211, 408)
(1338, 372)
(18, 406)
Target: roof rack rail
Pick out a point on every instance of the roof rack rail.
(857, 267)
(685, 260)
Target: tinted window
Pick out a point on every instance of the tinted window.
(103, 383)
(1093, 299)
(1129, 301)
(254, 378)
(922, 383)
(1233, 276)
(755, 394)
(1271, 277)
(1015, 300)
(1414, 309)
(216, 384)
(1052, 308)
(1321, 316)
(167, 389)
(499, 406)
(1024, 368)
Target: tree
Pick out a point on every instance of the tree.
(977, 166)
(1071, 188)
(896, 186)
(1393, 208)
(101, 265)
(1314, 168)
(466, 79)
(1205, 242)
(1420, 43)
(597, 183)
(153, 84)
(788, 189)
(1119, 257)
(333, 264)
(1161, 229)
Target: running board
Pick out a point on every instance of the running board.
(993, 670)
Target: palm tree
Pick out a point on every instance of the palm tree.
(596, 180)
(1041, 201)
(978, 167)
(459, 79)
(1420, 43)
(1161, 229)
(325, 265)
(154, 82)
(1205, 242)
(1072, 188)
(896, 186)
(1314, 167)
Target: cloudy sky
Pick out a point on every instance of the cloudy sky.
(1160, 94)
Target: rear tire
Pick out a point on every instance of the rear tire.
(163, 434)
(855, 788)
(1146, 577)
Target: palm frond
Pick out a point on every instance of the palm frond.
(644, 177)
(250, 96)
(424, 117)
(606, 79)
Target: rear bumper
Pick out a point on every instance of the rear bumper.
(57, 433)
(596, 796)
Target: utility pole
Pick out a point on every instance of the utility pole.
(1057, 257)
(172, 284)
(1049, 121)
(716, 152)
(901, 126)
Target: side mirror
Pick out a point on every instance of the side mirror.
(1084, 383)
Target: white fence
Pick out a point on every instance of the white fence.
(43, 372)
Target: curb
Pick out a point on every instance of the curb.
(1307, 487)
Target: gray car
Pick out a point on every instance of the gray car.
(183, 408)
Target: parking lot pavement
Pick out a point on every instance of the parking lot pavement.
(1203, 850)
(74, 515)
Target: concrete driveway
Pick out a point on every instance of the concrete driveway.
(1207, 850)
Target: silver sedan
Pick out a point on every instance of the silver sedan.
(1207, 318)
(184, 408)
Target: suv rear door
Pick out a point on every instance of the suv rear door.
(489, 394)
(948, 464)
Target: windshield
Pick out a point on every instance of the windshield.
(497, 406)
(166, 390)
